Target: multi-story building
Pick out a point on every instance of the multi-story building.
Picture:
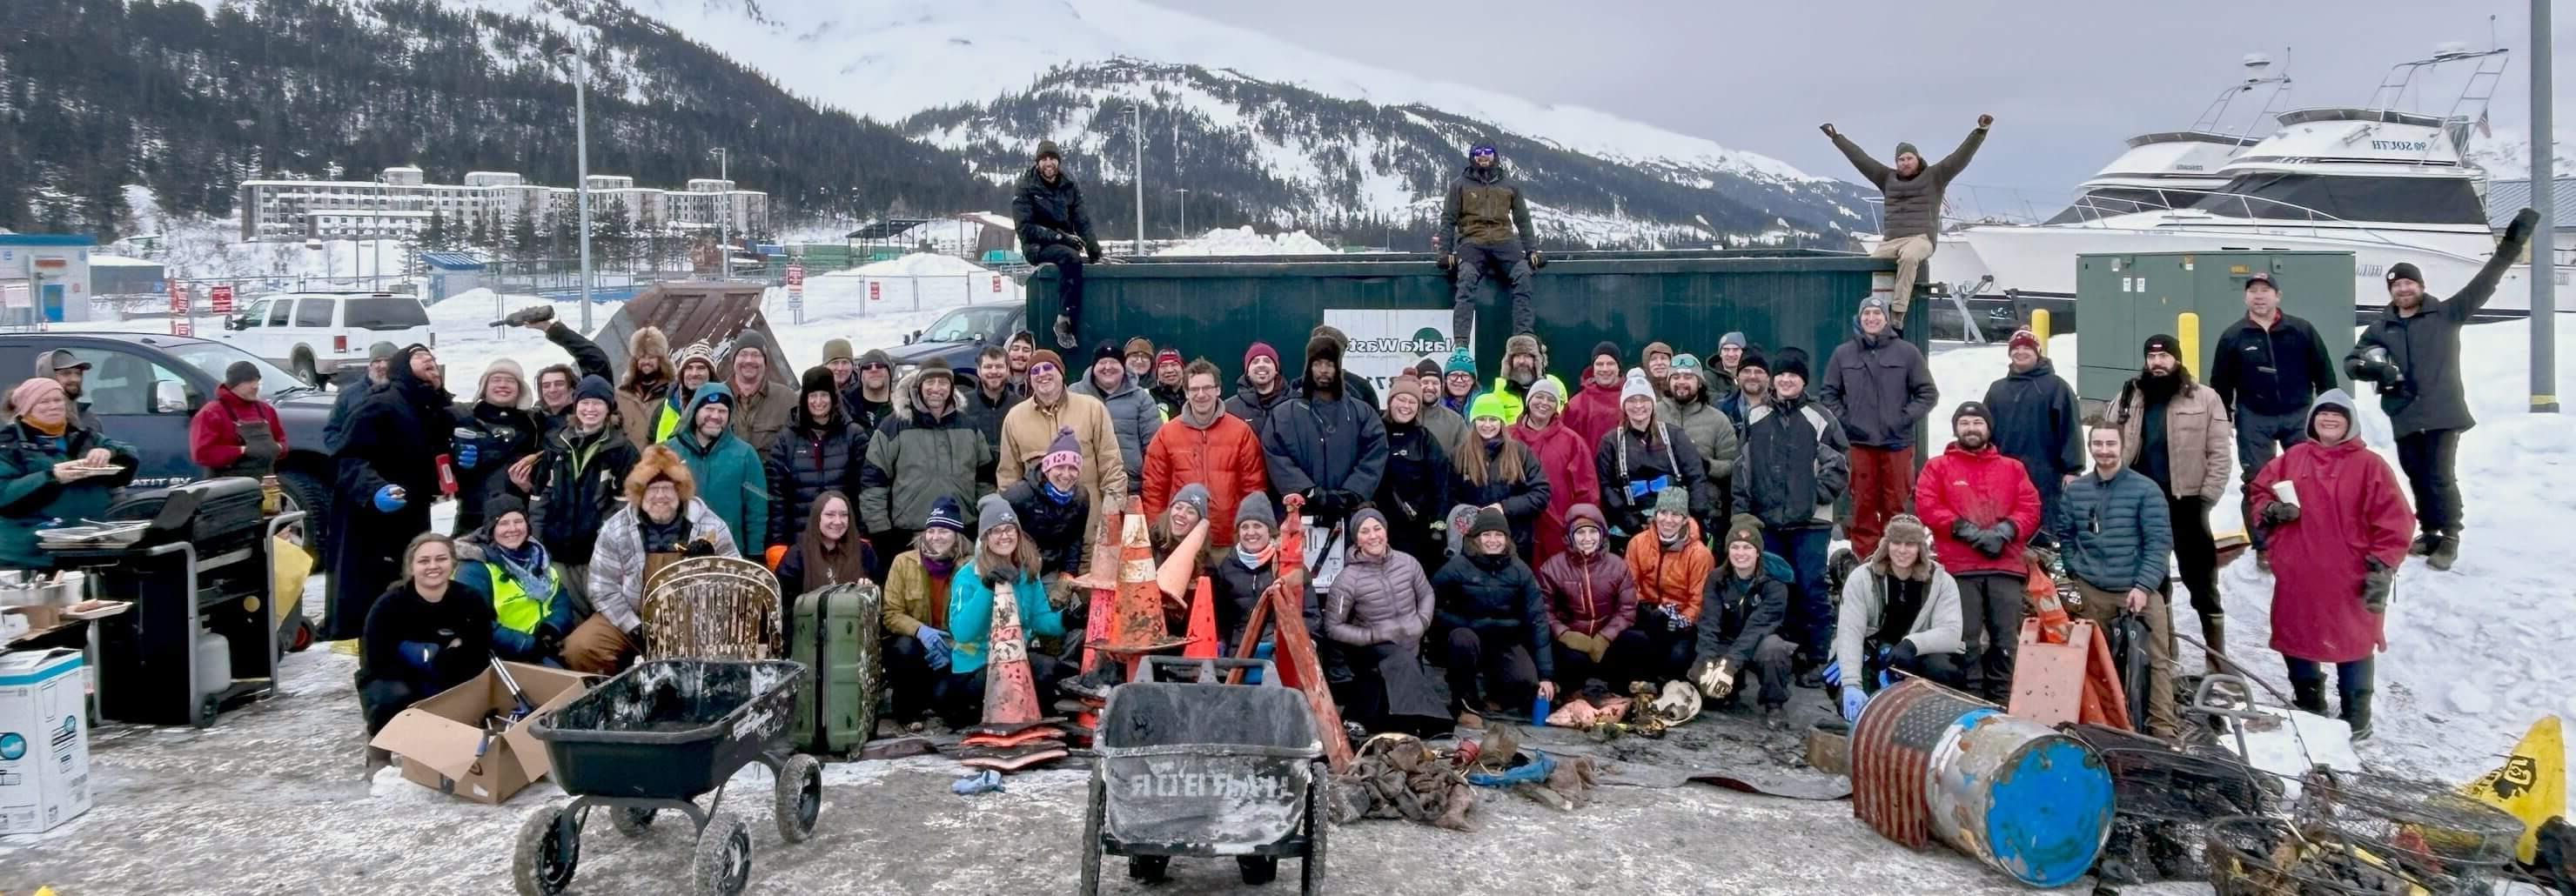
(399, 204)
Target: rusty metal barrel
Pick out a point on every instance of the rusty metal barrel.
(1891, 757)
(2021, 797)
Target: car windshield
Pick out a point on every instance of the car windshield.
(964, 323)
(213, 357)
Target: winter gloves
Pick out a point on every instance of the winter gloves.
(390, 498)
(1333, 503)
(934, 645)
(2375, 586)
(1536, 260)
(2279, 512)
(1988, 540)
(1716, 680)
(702, 547)
(1593, 646)
(468, 453)
(1901, 655)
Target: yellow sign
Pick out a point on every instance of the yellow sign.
(2532, 783)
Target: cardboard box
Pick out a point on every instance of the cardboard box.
(44, 740)
(437, 737)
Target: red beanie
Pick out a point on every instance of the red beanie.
(1260, 350)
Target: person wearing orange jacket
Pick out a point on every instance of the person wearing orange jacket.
(1982, 510)
(237, 434)
(1671, 563)
(1204, 445)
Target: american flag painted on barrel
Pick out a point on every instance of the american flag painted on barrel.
(1891, 758)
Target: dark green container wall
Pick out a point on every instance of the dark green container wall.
(1217, 307)
(2124, 298)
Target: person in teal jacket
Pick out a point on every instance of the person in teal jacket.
(730, 477)
(1003, 560)
(532, 600)
(52, 472)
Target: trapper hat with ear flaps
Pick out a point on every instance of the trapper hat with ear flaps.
(659, 463)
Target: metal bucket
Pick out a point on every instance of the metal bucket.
(1891, 756)
(2021, 797)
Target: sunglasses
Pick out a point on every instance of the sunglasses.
(1483, 154)
(873, 367)
(1042, 367)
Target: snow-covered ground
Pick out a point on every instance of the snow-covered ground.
(2474, 654)
(1244, 241)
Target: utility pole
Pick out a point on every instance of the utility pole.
(724, 230)
(581, 163)
(1185, 214)
(2544, 250)
(1136, 128)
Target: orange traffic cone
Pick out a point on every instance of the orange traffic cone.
(1202, 633)
(1102, 582)
(1281, 611)
(1136, 626)
(1010, 694)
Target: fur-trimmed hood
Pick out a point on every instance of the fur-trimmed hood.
(907, 397)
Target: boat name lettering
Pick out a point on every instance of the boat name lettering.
(2401, 145)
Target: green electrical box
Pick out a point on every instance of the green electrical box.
(2123, 298)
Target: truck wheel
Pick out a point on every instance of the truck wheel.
(306, 493)
(304, 369)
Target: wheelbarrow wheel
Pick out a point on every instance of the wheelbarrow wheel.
(1150, 869)
(721, 863)
(1311, 875)
(1257, 870)
(1091, 839)
(799, 792)
(546, 854)
(631, 821)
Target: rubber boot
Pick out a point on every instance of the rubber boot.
(2213, 632)
(2446, 551)
(2356, 713)
(2308, 695)
(2423, 544)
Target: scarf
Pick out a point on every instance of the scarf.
(1256, 559)
(529, 565)
(1054, 495)
(55, 431)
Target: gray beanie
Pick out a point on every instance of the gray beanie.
(1195, 495)
(1734, 339)
(992, 512)
(1549, 386)
(1256, 506)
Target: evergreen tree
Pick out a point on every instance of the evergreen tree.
(523, 235)
(435, 236)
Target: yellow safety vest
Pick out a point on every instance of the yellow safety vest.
(511, 604)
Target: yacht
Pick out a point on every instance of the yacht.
(2387, 185)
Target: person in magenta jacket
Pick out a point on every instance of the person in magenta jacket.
(2339, 526)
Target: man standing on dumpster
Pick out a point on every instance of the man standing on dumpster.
(1054, 229)
(1911, 193)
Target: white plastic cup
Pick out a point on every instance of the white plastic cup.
(2287, 491)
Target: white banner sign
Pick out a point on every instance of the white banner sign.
(1386, 341)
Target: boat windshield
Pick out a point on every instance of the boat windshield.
(2302, 197)
(2104, 202)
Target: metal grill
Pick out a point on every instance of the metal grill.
(712, 608)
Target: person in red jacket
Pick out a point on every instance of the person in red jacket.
(1594, 411)
(1591, 600)
(1564, 459)
(2339, 526)
(1982, 510)
(1207, 446)
(237, 434)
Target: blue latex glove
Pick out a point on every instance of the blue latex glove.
(390, 498)
(468, 453)
(420, 654)
(989, 781)
(1833, 674)
(1854, 700)
(935, 646)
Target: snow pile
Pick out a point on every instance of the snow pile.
(1243, 241)
(918, 264)
(2476, 654)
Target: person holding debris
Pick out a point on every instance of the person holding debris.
(1564, 463)
(1739, 626)
(580, 479)
(921, 454)
(1525, 369)
(1132, 414)
(1203, 445)
(502, 431)
(1911, 191)
(1170, 387)
(380, 370)
(820, 451)
(2412, 354)
(1878, 385)
(1031, 431)
(1670, 561)
(2177, 435)
(1326, 444)
(1260, 389)
(1486, 223)
(1377, 609)
(237, 434)
(2113, 531)
(731, 478)
(1414, 493)
(1051, 511)
(1046, 208)
(1490, 624)
(1900, 613)
(916, 641)
(663, 520)
(828, 552)
(1790, 473)
(1685, 407)
(1591, 601)
(2038, 422)
(1594, 410)
(2339, 525)
(1491, 469)
(52, 469)
(649, 376)
(1983, 511)
(1005, 567)
(1641, 459)
(426, 634)
(532, 600)
(388, 477)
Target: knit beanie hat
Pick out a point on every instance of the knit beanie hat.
(1793, 360)
(1167, 356)
(1742, 529)
(1734, 339)
(2021, 338)
(1688, 365)
(2162, 343)
(1140, 346)
(1063, 452)
(1975, 409)
(1874, 301)
(240, 372)
(1636, 387)
(1260, 350)
(1903, 148)
(1047, 150)
(1046, 356)
(837, 350)
(499, 367)
(1460, 361)
(34, 389)
(382, 351)
(1605, 348)
(1107, 351)
(1486, 405)
(1428, 367)
(1256, 506)
(875, 356)
(2405, 270)
(945, 513)
(1753, 359)
(1657, 348)
(1489, 519)
(1548, 386)
(991, 512)
(1673, 500)
(595, 387)
(1195, 495)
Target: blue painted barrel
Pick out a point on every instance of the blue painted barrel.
(2020, 796)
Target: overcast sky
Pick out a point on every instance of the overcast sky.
(2066, 81)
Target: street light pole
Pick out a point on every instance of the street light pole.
(724, 229)
(1136, 128)
(1185, 214)
(2544, 195)
(581, 163)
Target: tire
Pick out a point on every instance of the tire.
(720, 864)
(1310, 877)
(1091, 839)
(302, 638)
(634, 823)
(799, 793)
(1149, 869)
(304, 370)
(543, 860)
(310, 495)
(1257, 870)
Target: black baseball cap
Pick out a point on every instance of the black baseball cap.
(2262, 278)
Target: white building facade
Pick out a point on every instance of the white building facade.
(399, 204)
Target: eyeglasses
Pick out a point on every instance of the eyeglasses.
(1042, 367)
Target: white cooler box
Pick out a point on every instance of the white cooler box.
(44, 740)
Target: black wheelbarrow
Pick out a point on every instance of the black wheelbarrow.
(656, 738)
(1206, 770)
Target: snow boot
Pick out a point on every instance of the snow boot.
(2356, 713)
(2446, 551)
(2308, 695)
(2423, 545)
(1064, 335)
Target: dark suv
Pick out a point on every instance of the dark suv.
(145, 388)
(953, 340)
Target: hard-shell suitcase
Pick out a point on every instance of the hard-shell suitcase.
(835, 635)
